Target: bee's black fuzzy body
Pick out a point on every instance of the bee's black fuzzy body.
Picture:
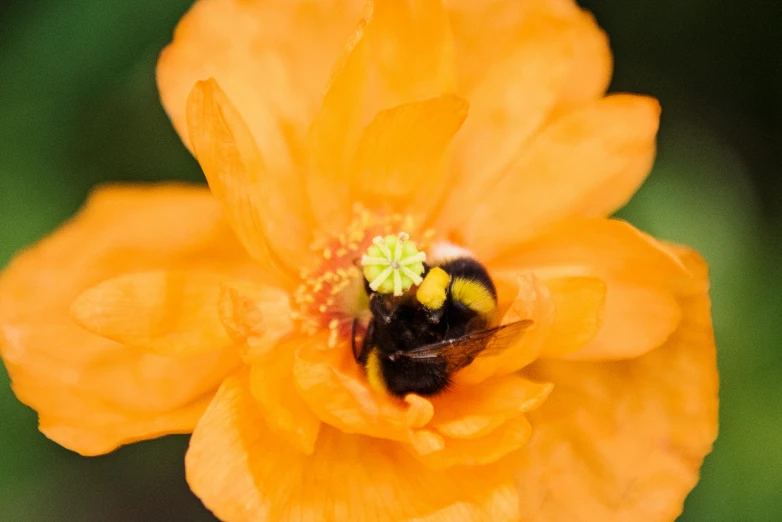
(400, 326)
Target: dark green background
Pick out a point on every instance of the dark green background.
(78, 105)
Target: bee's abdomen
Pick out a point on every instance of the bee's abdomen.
(404, 376)
(472, 287)
(469, 268)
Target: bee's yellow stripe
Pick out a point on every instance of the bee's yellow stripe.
(474, 295)
(375, 372)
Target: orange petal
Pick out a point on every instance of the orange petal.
(413, 49)
(264, 206)
(505, 439)
(272, 386)
(642, 279)
(592, 64)
(273, 75)
(243, 472)
(336, 389)
(333, 136)
(470, 412)
(399, 153)
(256, 316)
(587, 163)
(624, 440)
(402, 51)
(557, 58)
(92, 394)
(172, 314)
(107, 428)
(579, 306)
(533, 302)
(501, 118)
(490, 28)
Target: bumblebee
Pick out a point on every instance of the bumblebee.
(415, 342)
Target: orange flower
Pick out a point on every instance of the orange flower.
(162, 310)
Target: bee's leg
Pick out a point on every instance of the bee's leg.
(366, 344)
(434, 316)
(379, 308)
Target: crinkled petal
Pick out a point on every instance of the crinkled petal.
(255, 316)
(397, 163)
(336, 389)
(625, 440)
(641, 277)
(473, 411)
(334, 133)
(592, 64)
(105, 429)
(243, 472)
(273, 388)
(412, 49)
(579, 308)
(498, 443)
(401, 52)
(266, 208)
(93, 394)
(587, 163)
(273, 75)
(513, 99)
(486, 29)
(169, 313)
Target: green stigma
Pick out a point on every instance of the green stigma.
(393, 264)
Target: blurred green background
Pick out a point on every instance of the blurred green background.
(78, 105)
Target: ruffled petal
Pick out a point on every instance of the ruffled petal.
(273, 388)
(334, 133)
(275, 230)
(413, 50)
(397, 163)
(256, 317)
(379, 69)
(172, 314)
(588, 163)
(517, 92)
(242, 472)
(498, 443)
(273, 75)
(486, 29)
(641, 279)
(592, 66)
(92, 394)
(579, 308)
(336, 389)
(625, 440)
(473, 411)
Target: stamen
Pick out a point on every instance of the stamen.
(331, 296)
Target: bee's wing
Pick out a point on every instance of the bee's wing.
(458, 353)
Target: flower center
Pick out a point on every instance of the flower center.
(332, 295)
